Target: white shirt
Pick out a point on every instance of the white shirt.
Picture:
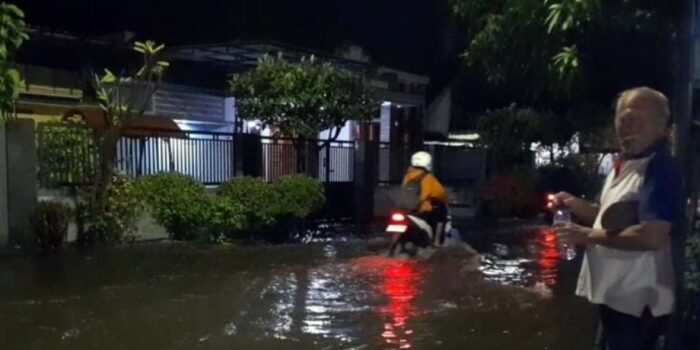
(629, 281)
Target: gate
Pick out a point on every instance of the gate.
(332, 163)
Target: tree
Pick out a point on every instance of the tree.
(13, 32)
(566, 56)
(123, 98)
(510, 132)
(301, 99)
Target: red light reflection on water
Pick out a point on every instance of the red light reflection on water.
(399, 280)
(547, 256)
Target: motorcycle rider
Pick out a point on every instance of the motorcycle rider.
(431, 202)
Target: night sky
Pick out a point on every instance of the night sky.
(406, 34)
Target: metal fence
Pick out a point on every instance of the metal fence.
(68, 157)
(337, 162)
(67, 154)
(206, 156)
(282, 157)
(327, 161)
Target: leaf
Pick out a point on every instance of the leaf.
(552, 19)
(108, 77)
(140, 47)
(102, 95)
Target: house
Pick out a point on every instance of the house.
(193, 97)
(193, 100)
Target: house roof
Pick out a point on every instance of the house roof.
(144, 126)
(242, 55)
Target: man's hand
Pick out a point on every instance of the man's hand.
(581, 208)
(570, 233)
(567, 199)
(649, 236)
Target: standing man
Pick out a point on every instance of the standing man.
(628, 266)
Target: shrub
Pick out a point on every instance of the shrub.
(50, 222)
(242, 205)
(510, 196)
(223, 217)
(178, 203)
(124, 204)
(257, 201)
(254, 207)
(298, 196)
(62, 150)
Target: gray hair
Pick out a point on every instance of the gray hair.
(656, 99)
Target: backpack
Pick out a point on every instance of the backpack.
(409, 197)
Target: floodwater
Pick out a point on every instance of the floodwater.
(338, 293)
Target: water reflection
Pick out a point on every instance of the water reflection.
(320, 296)
(399, 285)
(534, 263)
(285, 287)
(548, 256)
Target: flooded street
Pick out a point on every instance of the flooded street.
(339, 294)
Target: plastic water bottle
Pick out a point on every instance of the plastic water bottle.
(563, 215)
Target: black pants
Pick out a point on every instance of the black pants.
(435, 216)
(619, 331)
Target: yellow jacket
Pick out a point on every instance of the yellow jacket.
(431, 191)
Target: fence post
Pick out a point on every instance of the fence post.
(18, 182)
(397, 163)
(366, 172)
(312, 160)
(247, 155)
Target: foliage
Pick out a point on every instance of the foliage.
(298, 196)
(509, 130)
(61, 151)
(692, 273)
(177, 202)
(13, 33)
(50, 222)
(511, 195)
(268, 208)
(124, 203)
(301, 99)
(123, 98)
(543, 46)
(223, 218)
(517, 42)
(565, 57)
(258, 200)
(576, 175)
(241, 206)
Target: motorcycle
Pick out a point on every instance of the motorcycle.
(410, 233)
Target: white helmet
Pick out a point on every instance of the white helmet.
(422, 160)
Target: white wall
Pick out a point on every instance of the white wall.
(385, 122)
(186, 103)
(347, 133)
(437, 116)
